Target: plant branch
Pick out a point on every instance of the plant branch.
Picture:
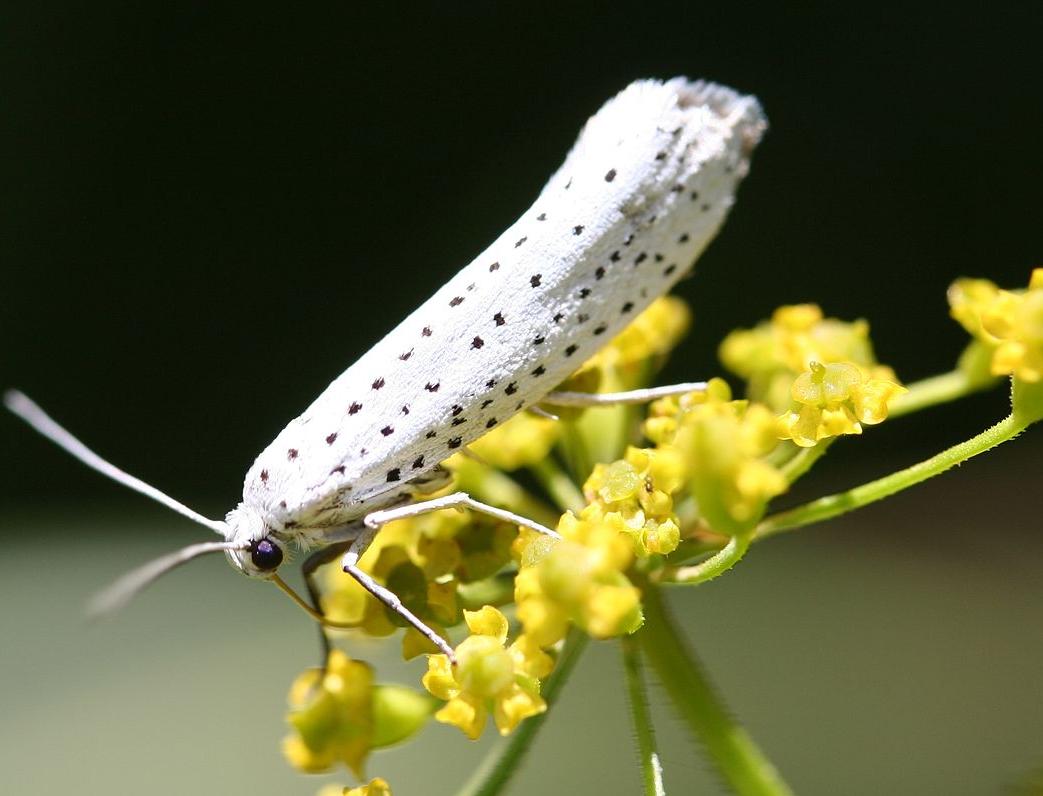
(834, 505)
(651, 768)
(737, 758)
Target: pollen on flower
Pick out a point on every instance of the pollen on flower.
(834, 399)
(489, 677)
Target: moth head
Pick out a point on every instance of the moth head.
(256, 552)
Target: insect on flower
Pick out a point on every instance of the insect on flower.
(643, 191)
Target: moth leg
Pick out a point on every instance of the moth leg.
(458, 500)
(323, 556)
(386, 596)
(539, 411)
(628, 397)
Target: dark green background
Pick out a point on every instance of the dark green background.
(208, 212)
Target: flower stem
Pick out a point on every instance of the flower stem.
(651, 769)
(558, 485)
(804, 460)
(717, 564)
(744, 767)
(504, 759)
(842, 502)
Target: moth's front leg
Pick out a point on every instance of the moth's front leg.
(311, 564)
(386, 596)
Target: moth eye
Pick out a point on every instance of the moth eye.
(265, 554)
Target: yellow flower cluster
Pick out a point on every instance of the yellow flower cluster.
(834, 399)
(578, 580)
(423, 560)
(338, 716)
(771, 354)
(723, 444)
(638, 489)
(1009, 322)
(488, 676)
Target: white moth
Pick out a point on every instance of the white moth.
(641, 194)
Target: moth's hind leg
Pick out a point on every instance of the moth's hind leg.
(308, 569)
(561, 398)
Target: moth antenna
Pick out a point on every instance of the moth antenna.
(126, 587)
(21, 405)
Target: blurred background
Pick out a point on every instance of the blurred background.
(210, 210)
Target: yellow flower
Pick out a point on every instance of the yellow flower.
(639, 489)
(580, 580)
(968, 298)
(487, 676)
(834, 399)
(1016, 320)
(331, 713)
(772, 353)
(664, 415)
(1008, 322)
(724, 445)
(339, 715)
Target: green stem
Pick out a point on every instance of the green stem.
(936, 390)
(558, 485)
(504, 759)
(651, 769)
(804, 460)
(834, 505)
(744, 767)
(717, 564)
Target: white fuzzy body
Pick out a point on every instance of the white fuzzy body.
(642, 193)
